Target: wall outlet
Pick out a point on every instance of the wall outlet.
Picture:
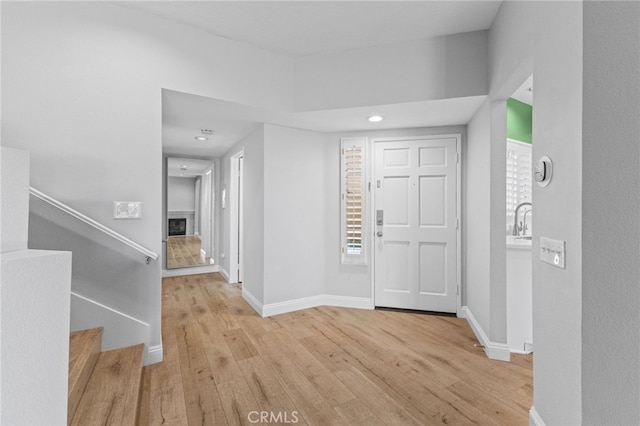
(552, 252)
(127, 209)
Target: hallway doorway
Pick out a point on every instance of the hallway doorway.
(236, 215)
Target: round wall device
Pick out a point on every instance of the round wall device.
(543, 171)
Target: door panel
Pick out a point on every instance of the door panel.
(433, 201)
(416, 246)
(397, 266)
(433, 261)
(396, 157)
(397, 199)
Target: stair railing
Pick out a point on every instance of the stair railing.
(149, 255)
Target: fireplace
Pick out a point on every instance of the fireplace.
(177, 226)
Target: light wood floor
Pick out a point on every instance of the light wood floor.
(184, 251)
(223, 364)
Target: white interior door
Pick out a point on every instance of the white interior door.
(416, 242)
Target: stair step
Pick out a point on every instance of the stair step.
(111, 396)
(84, 350)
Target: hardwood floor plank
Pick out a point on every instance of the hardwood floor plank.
(308, 401)
(167, 398)
(356, 412)
(223, 364)
(239, 344)
(111, 396)
(502, 413)
(377, 402)
(238, 401)
(328, 365)
(84, 350)
(202, 399)
(265, 387)
(144, 403)
(331, 389)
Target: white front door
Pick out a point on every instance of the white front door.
(416, 223)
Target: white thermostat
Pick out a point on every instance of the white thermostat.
(543, 171)
(127, 209)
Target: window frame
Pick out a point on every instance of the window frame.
(348, 256)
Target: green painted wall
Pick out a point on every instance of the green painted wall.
(519, 120)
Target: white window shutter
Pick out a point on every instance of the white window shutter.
(353, 200)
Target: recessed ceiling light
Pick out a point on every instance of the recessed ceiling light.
(183, 167)
(201, 138)
(375, 118)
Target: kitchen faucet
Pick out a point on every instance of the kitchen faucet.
(516, 231)
(524, 221)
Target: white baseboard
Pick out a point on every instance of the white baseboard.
(154, 355)
(534, 418)
(306, 303)
(290, 306)
(347, 302)
(513, 351)
(497, 351)
(251, 300)
(224, 274)
(178, 272)
(119, 329)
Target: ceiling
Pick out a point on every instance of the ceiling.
(301, 28)
(525, 92)
(187, 167)
(185, 114)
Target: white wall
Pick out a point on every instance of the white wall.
(436, 68)
(519, 304)
(476, 218)
(34, 348)
(610, 206)
(294, 236)
(543, 38)
(181, 194)
(14, 199)
(86, 102)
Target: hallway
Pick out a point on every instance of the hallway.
(223, 364)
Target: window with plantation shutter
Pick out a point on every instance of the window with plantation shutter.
(353, 214)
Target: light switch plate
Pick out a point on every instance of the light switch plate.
(127, 209)
(552, 252)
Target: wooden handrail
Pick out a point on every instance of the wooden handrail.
(149, 255)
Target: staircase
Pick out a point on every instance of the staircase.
(36, 316)
(104, 387)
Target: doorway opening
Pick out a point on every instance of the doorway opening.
(236, 219)
(519, 218)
